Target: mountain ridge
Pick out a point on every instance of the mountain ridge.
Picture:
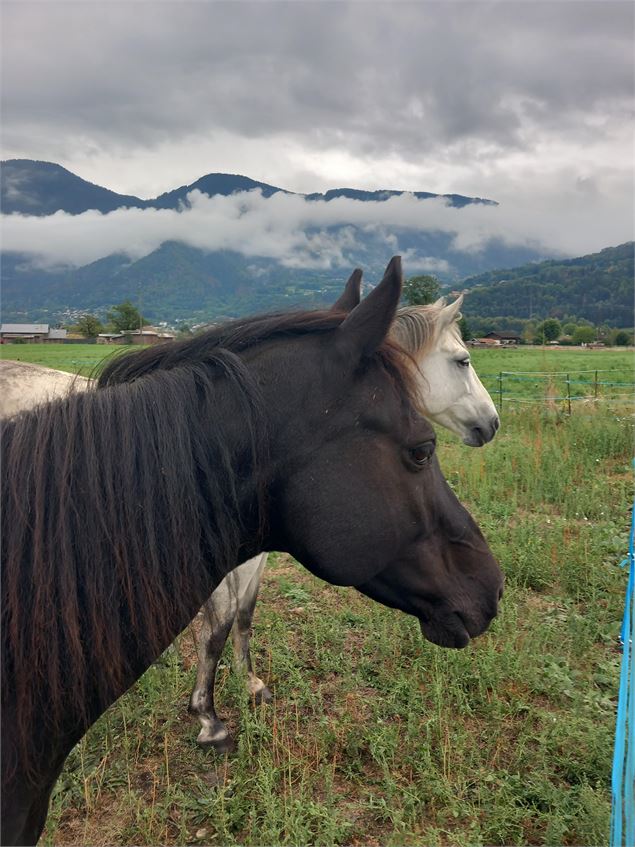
(24, 182)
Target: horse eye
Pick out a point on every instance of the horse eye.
(422, 453)
(463, 363)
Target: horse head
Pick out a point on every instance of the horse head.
(450, 391)
(356, 491)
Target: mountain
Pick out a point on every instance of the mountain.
(597, 287)
(180, 282)
(29, 187)
(211, 184)
(42, 188)
(384, 194)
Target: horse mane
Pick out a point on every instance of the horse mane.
(236, 336)
(417, 328)
(122, 510)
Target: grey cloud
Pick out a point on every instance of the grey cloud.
(371, 77)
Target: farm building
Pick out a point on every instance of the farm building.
(34, 333)
(484, 342)
(505, 337)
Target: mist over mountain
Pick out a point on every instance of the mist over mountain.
(230, 245)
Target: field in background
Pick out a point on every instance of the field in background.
(376, 737)
(74, 358)
(612, 363)
(534, 374)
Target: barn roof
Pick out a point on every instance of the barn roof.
(25, 328)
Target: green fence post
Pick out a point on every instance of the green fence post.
(595, 387)
(569, 393)
(500, 391)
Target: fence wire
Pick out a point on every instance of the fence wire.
(599, 390)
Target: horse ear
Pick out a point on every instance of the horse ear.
(450, 313)
(367, 325)
(351, 295)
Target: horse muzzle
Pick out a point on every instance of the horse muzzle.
(483, 433)
(455, 629)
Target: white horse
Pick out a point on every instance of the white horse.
(450, 393)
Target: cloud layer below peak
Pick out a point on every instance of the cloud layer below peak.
(316, 234)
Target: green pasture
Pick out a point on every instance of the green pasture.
(74, 358)
(526, 374)
(377, 737)
(613, 365)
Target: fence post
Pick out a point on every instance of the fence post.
(595, 386)
(569, 393)
(500, 391)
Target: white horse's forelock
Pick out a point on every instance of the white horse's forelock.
(417, 328)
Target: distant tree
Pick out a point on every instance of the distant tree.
(583, 334)
(89, 326)
(125, 317)
(548, 330)
(464, 326)
(420, 290)
(529, 332)
(568, 329)
(623, 339)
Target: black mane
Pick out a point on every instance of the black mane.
(235, 336)
(122, 509)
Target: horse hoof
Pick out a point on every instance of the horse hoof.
(263, 696)
(221, 745)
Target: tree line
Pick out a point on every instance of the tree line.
(425, 289)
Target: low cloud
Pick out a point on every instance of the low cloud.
(315, 234)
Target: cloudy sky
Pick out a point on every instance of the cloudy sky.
(530, 104)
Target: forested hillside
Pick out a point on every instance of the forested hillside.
(597, 287)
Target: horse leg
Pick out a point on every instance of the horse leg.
(24, 812)
(241, 634)
(218, 616)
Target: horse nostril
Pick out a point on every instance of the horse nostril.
(496, 423)
(500, 593)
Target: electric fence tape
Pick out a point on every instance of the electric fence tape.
(623, 776)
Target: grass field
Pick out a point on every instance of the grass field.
(74, 358)
(612, 366)
(376, 737)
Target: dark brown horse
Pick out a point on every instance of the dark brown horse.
(123, 508)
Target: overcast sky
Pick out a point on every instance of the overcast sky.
(530, 104)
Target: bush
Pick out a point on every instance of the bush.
(583, 335)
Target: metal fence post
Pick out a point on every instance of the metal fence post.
(569, 393)
(500, 391)
(595, 386)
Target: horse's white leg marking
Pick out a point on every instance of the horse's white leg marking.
(218, 616)
(211, 731)
(241, 630)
